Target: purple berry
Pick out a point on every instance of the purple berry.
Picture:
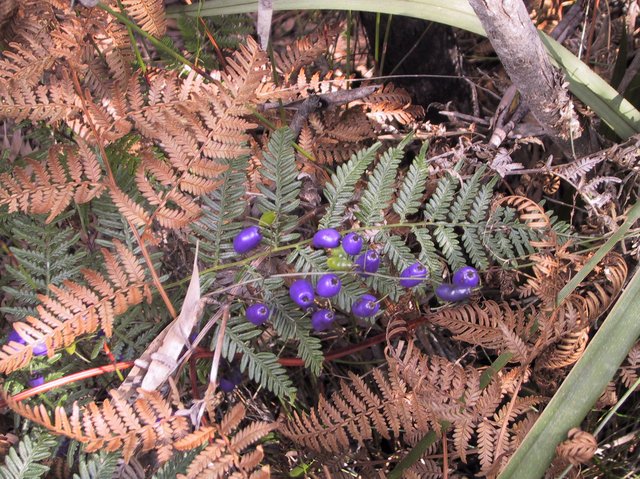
(466, 277)
(36, 381)
(366, 306)
(352, 244)
(247, 239)
(368, 262)
(301, 293)
(322, 320)
(258, 313)
(39, 349)
(413, 275)
(326, 238)
(328, 285)
(16, 338)
(226, 385)
(452, 293)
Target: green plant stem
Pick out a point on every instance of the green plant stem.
(288, 247)
(348, 38)
(154, 41)
(615, 408)
(134, 44)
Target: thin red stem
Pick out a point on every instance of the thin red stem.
(99, 371)
(200, 353)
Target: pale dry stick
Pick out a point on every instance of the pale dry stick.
(113, 184)
(231, 291)
(501, 129)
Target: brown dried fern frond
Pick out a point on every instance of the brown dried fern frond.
(529, 212)
(226, 455)
(392, 104)
(303, 52)
(411, 398)
(579, 447)
(149, 14)
(566, 351)
(630, 369)
(487, 324)
(49, 186)
(415, 395)
(245, 71)
(147, 424)
(50, 103)
(188, 121)
(75, 309)
(197, 125)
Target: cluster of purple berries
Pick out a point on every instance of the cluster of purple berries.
(463, 281)
(329, 285)
(302, 293)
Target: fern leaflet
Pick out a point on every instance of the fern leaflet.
(379, 192)
(263, 366)
(287, 322)
(220, 209)
(23, 461)
(343, 182)
(176, 465)
(410, 193)
(49, 256)
(101, 465)
(279, 167)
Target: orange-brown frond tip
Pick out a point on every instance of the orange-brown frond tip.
(578, 448)
(149, 14)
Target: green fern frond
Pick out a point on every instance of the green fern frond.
(220, 210)
(45, 254)
(283, 197)
(178, 464)
(465, 199)
(472, 237)
(410, 194)
(384, 285)
(395, 248)
(135, 329)
(101, 465)
(428, 251)
(339, 191)
(262, 366)
(379, 190)
(292, 324)
(440, 202)
(447, 239)
(23, 460)
(500, 239)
